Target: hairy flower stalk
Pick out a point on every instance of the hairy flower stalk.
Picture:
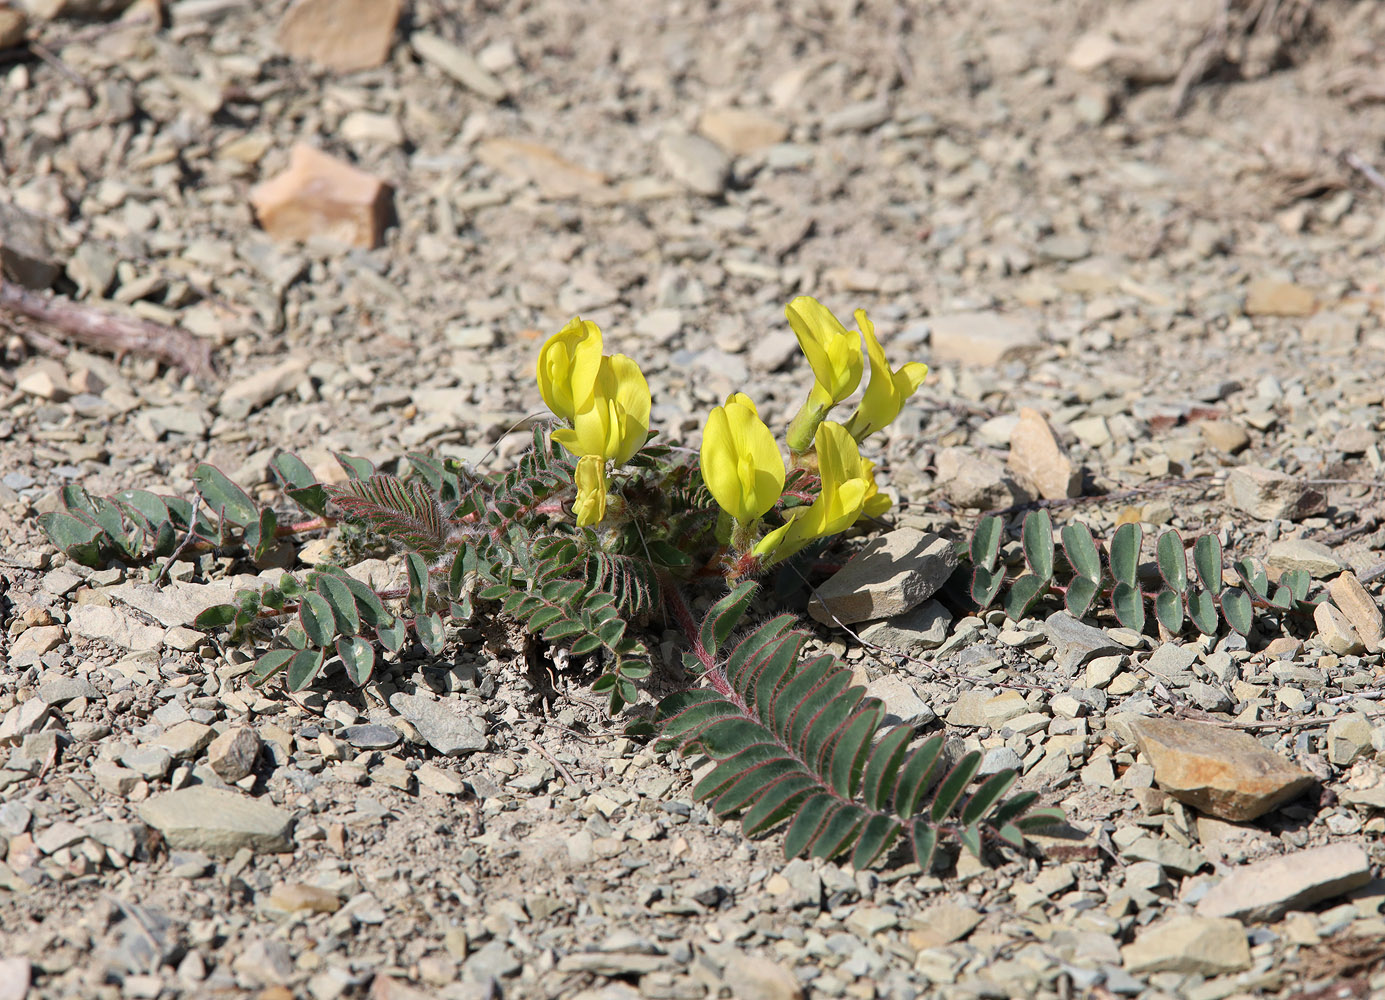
(834, 354)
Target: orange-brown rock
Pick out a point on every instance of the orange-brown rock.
(1039, 462)
(1221, 772)
(344, 35)
(13, 24)
(319, 195)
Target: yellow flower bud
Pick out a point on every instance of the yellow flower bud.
(740, 462)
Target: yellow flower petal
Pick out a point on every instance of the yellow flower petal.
(833, 353)
(839, 503)
(590, 477)
(614, 421)
(740, 461)
(886, 392)
(568, 365)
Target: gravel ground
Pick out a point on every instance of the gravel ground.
(1182, 276)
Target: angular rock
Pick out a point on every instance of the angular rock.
(695, 162)
(975, 481)
(148, 762)
(57, 689)
(458, 64)
(1267, 297)
(232, 755)
(113, 778)
(320, 196)
(186, 740)
(23, 719)
(1348, 737)
(923, 628)
(891, 575)
(217, 821)
(1204, 946)
(1336, 632)
(1331, 329)
(344, 35)
(13, 25)
(1268, 889)
(26, 243)
(443, 725)
(1267, 495)
(245, 395)
(292, 897)
(739, 131)
(754, 977)
(1222, 772)
(1039, 462)
(1225, 435)
(96, 621)
(1305, 554)
(1075, 642)
(903, 706)
(982, 338)
(1360, 609)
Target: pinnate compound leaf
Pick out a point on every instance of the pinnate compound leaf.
(1037, 539)
(1202, 611)
(1237, 610)
(1129, 605)
(1125, 554)
(1207, 562)
(1168, 608)
(990, 792)
(723, 617)
(883, 765)
(811, 815)
(1080, 594)
(878, 833)
(1081, 550)
(304, 668)
(852, 748)
(1173, 561)
(835, 835)
(985, 542)
(925, 839)
(358, 657)
(916, 775)
(970, 838)
(224, 496)
(317, 619)
(950, 791)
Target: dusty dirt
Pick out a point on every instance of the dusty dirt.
(918, 161)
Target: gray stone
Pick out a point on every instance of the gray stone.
(1172, 664)
(923, 628)
(218, 822)
(23, 719)
(1268, 495)
(96, 621)
(1201, 945)
(113, 778)
(232, 754)
(57, 689)
(148, 762)
(1038, 461)
(903, 706)
(458, 64)
(974, 481)
(443, 725)
(1266, 890)
(1356, 605)
(265, 963)
(371, 736)
(697, 163)
(1305, 554)
(891, 575)
(1166, 853)
(243, 396)
(1335, 631)
(982, 338)
(859, 117)
(26, 248)
(1348, 737)
(187, 739)
(1075, 642)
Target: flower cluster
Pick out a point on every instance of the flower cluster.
(605, 400)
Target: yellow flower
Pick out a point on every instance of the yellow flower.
(613, 421)
(876, 503)
(568, 365)
(590, 477)
(741, 463)
(833, 353)
(843, 494)
(886, 391)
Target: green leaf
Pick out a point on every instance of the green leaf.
(950, 790)
(916, 775)
(418, 583)
(1037, 538)
(1173, 561)
(1012, 807)
(217, 616)
(224, 496)
(1125, 553)
(270, 664)
(750, 782)
(1082, 552)
(1129, 605)
(358, 657)
(925, 839)
(1237, 610)
(304, 668)
(1202, 610)
(356, 468)
(990, 791)
(883, 766)
(431, 633)
(1298, 581)
(851, 750)
(1023, 593)
(1207, 561)
(292, 587)
(1040, 819)
(878, 834)
(837, 832)
(342, 602)
(585, 644)
(318, 621)
(664, 554)
(811, 815)
(970, 838)
(985, 583)
(149, 506)
(1081, 592)
(74, 536)
(392, 636)
(299, 483)
(723, 616)
(369, 608)
(1168, 608)
(779, 801)
(1283, 598)
(985, 542)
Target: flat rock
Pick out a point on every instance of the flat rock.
(1267, 297)
(982, 338)
(232, 755)
(97, 621)
(372, 736)
(1359, 608)
(459, 64)
(1038, 461)
(15, 977)
(555, 176)
(892, 574)
(1225, 435)
(57, 689)
(1303, 553)
(903, 705)
(975, 481)
(295, 897)
(26, 245)
(1349, 738)
(739, 131)
(1331, 329)
(1268, 495)
(1268, 889)
(1075, 642)
(923, 628)
(321, 196)
(1221, 772)
(695, 162)
(186, 740)
(245, 395)
(754, 977)
(443, 725)
(1335, 631)
(218, 822)
(344, 35)
(1206, 946)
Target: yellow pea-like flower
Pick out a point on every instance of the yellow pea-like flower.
(834, 354)
(876, 503)
(590, 477)
(845, 483)
(613, 421)
(740, 461)
(887, 390)
(569, 362)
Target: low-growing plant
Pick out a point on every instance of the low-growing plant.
(595, 532)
